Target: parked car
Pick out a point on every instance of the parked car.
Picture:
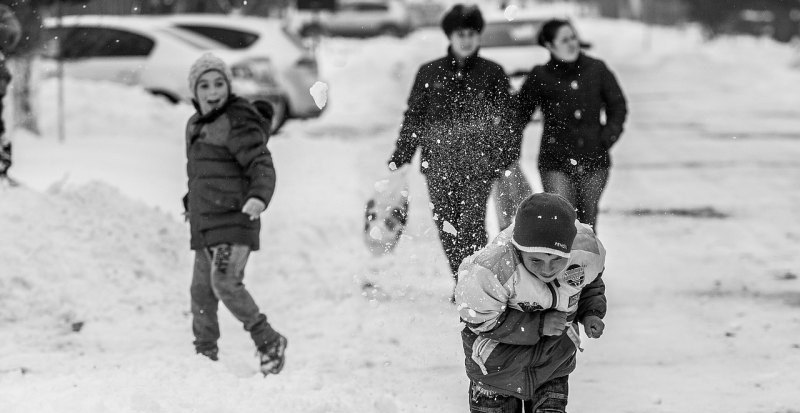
(142, 51)
(425, 13)
(357, 18)
(512, 43)
(292, 64)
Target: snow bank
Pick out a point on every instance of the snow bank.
(76, 255)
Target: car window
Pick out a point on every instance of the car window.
(235, 39)
(346, 8)
(83, 42)
(371, 7)
(504, 34)
(362, 7)
(193, 39)
(51, 41)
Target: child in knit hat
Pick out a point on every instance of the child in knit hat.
(231, 182)
(522, 297)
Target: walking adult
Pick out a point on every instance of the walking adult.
(458, 115)
(574, 92)
(10, 34)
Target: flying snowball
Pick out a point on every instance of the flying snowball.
(320, 93)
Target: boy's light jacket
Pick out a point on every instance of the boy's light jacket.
(503, 305)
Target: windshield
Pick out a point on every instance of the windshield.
(509, 34)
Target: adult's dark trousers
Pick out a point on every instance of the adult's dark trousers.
(459, 211)
(550, 397)
(218, 274)
(581, 186)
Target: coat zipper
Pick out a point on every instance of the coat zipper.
(554, 302)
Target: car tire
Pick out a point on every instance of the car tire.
(312, 30)
(393, 31)
(279, 116)
(166, 95)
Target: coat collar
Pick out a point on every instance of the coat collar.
(469, 61)
(561, 67)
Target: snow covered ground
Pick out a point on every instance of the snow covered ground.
(700, 219)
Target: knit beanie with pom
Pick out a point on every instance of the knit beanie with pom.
(207, 63)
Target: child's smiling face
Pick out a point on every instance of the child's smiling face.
(543, 265)
(212, 91)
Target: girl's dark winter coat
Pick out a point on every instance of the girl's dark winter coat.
(228, 163)
(571, 97)
(459, 116)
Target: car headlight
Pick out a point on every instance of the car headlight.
(259, 70)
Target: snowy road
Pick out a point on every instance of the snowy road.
(700, 221)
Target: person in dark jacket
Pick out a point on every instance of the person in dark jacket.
(522, 298)
(458, 114)
(231, 182)
(5, 143)
(10, 34)
(574, 92)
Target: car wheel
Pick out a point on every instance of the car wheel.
(280, 115)
(312, 31)
(393, 31)
(166, 95)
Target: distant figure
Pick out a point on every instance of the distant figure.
(522, 298)
(573, 92)
(231, 182)
(458, 113)
(10, 34)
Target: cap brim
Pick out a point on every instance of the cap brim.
(541, 249)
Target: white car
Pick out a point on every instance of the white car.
(512, 43)
(291, 63)
(359, 18)
(145, 52)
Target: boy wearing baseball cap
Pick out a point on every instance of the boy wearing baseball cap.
(522, 297)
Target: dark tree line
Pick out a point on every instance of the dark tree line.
(777, 18)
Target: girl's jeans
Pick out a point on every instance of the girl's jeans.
(550, 397)
(217, 276)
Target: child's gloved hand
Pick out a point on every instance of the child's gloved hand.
(555, 322)
(593, 326)
(254, 207)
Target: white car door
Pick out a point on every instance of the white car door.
(357, 18)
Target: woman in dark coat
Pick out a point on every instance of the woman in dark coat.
(574, 92)
(456, 114)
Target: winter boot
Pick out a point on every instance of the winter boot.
(271, 355)
(211, 353)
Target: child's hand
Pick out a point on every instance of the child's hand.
(593, 326)
(254, 207)
(555, 322)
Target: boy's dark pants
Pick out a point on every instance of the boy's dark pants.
(217, 276)
(550, 397)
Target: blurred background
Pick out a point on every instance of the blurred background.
(272, 45)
